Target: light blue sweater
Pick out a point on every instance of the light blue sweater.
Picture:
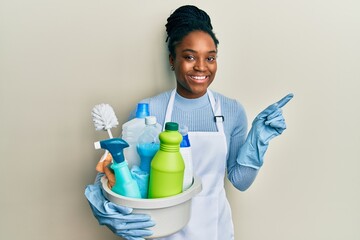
(197, 115)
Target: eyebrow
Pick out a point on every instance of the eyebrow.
(193, 51)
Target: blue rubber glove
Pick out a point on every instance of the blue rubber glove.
(267, 125)
(117, 218)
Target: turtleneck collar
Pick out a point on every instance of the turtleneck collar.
(193, 103)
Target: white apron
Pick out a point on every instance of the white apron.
(210, 215)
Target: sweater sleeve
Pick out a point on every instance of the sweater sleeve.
(240, 176)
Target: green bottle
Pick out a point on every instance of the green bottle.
(167, 166)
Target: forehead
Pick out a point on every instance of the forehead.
(197, 41)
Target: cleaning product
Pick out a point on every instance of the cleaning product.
(185, 150)
(125, 185)
(104, 118)
(131, 131)
(148, 143)
(167, 166)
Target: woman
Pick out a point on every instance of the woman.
(216, 123)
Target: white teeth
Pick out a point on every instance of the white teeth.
(199, 77)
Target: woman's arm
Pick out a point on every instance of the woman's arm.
(240, 176)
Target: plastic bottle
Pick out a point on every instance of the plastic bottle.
(125, 185)
(167, 166)
(131, 131)
(185, 150)
(148, 143)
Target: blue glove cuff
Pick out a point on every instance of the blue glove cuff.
(98, 178)
(252, 152)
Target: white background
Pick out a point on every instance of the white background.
(60, 58)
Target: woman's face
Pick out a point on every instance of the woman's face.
(195, 64)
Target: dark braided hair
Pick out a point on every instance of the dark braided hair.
(184, 20)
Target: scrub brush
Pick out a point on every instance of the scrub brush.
(104, 118)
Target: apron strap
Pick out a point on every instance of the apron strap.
(216, 107)
(169, 108)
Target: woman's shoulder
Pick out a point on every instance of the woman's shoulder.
(234, 114)
(161, 97)
(227, 102)
(158, 104)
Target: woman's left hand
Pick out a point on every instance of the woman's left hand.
(267, 125)
(270, 122)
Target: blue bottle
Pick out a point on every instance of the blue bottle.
(125, 185)
(186, 153)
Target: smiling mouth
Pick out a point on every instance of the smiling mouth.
(199, 78)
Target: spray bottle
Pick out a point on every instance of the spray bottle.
(125, 185)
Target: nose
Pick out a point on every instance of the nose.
(200, 65)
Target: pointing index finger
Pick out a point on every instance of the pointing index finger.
(285, 100)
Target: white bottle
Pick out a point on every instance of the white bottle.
(185, 150)
(131, 131)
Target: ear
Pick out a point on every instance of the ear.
(171, 60)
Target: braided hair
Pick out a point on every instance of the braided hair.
(184, 20)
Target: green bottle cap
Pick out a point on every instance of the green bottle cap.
(172, 126)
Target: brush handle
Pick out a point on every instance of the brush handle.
(109, 132)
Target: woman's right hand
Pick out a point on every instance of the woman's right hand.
(119, 219)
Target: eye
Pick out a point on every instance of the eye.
(211, 59)
(190, 57)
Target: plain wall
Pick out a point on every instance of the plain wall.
(60, 58)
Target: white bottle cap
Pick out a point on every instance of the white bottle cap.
(183, 130)
(150, 120)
